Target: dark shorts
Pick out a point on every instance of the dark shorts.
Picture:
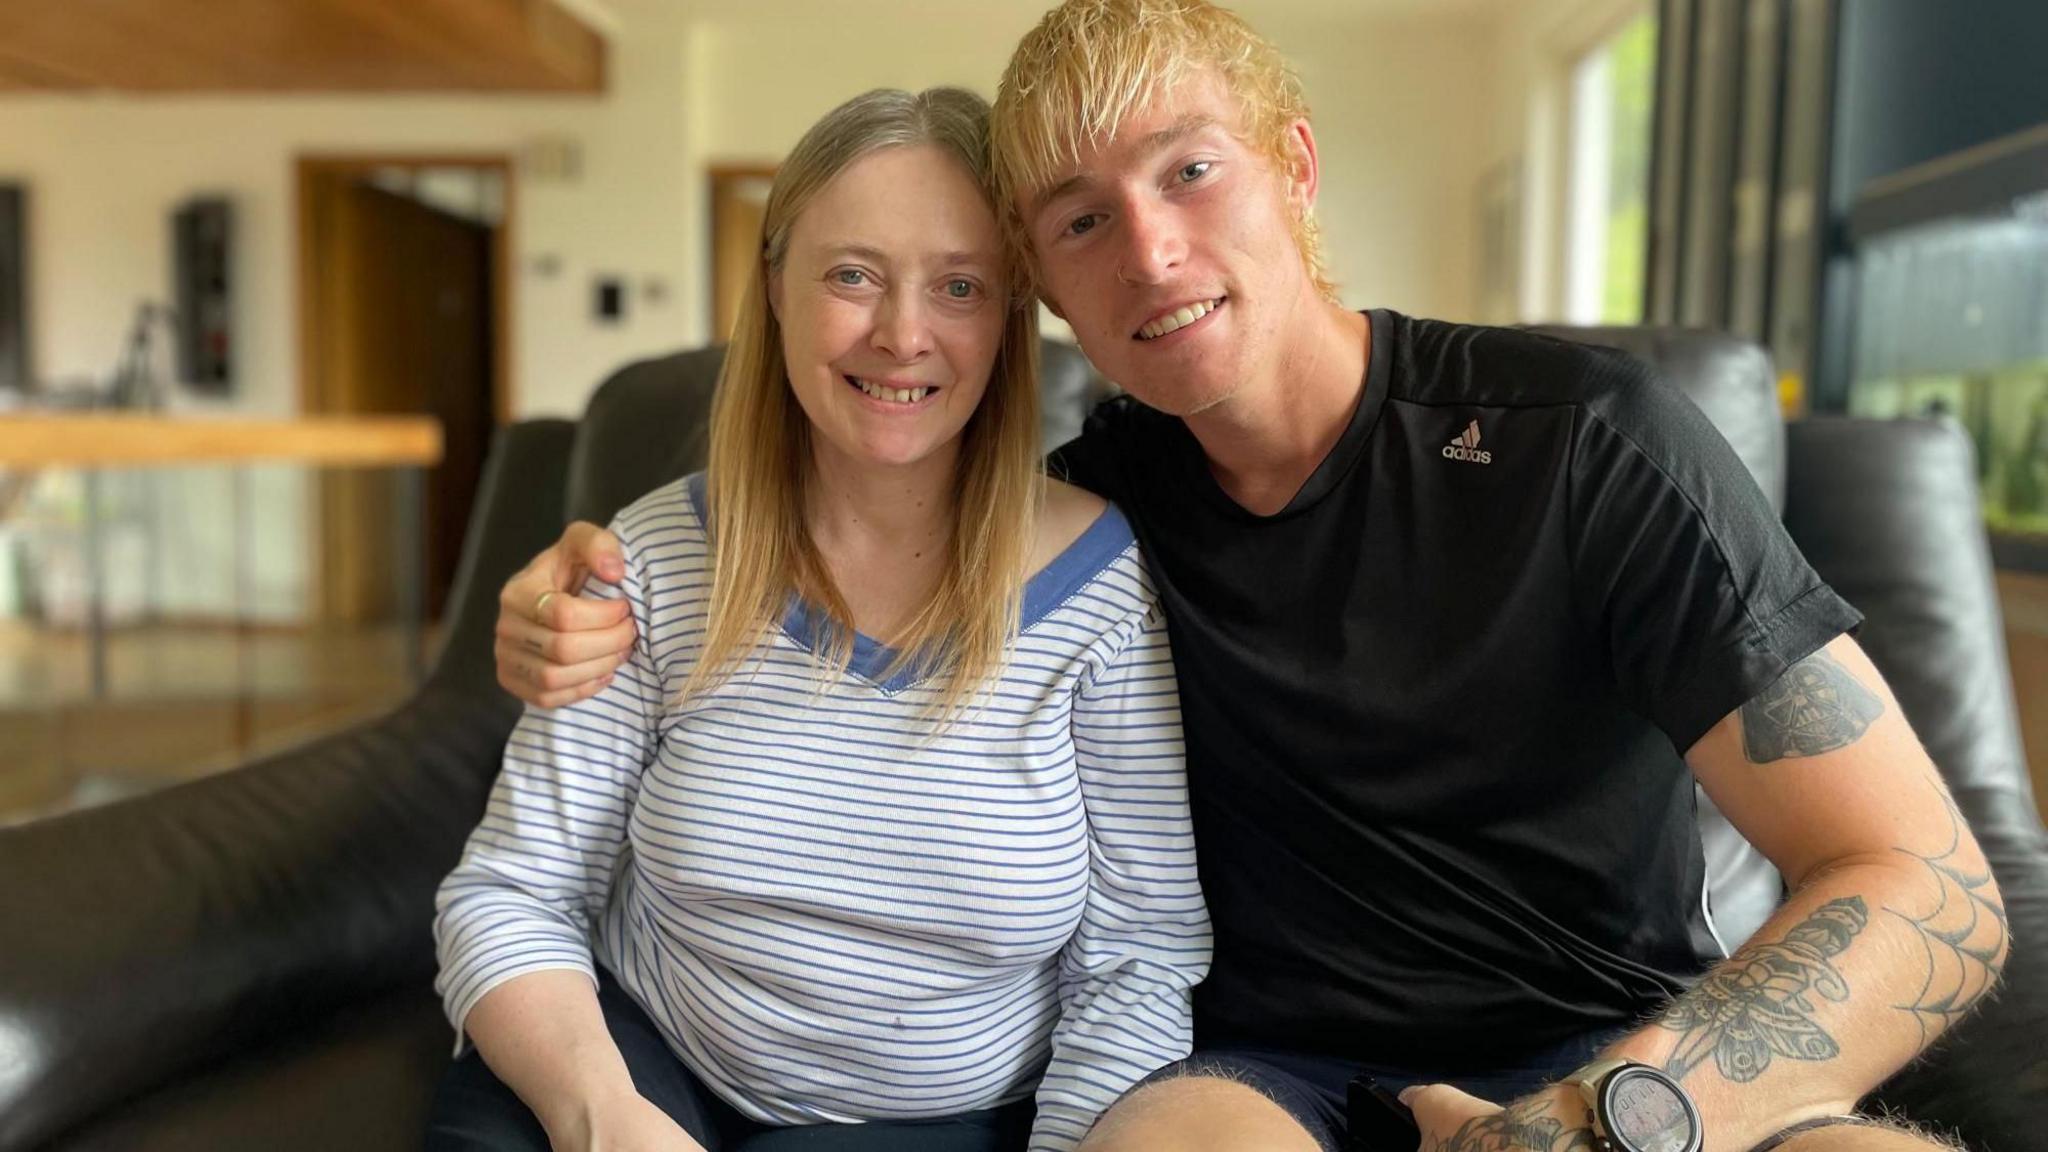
(474, 1111)
(1312, 1089)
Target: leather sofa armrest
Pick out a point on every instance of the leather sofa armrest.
(520, 508)
(156, 935)
(1888, 513)
(150, 937)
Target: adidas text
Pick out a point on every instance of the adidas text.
(1466, 447)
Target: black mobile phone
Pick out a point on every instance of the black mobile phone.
(1379, 1122)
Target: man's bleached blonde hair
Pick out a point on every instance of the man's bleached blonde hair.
(1091, 65)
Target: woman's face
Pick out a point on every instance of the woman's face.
(891, 300)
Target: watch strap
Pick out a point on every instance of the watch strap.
(1592, 1074)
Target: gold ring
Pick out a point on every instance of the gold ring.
(540, 608)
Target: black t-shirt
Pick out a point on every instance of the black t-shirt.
(1435, 707)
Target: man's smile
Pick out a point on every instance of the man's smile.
(1174, 319)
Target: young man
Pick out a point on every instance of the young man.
(1459, 615)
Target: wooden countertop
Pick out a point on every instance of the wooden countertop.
(144, 440)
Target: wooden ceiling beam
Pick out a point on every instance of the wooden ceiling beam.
(298, 46)
(27, 75)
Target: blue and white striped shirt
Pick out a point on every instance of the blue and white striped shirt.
(831, 914)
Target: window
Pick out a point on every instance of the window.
(1613, 91)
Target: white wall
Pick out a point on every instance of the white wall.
(1400, 109)
(1400, 104)
(1534, 46)
(105, 172)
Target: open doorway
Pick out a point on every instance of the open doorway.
(404, 307)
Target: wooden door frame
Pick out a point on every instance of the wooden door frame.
(309, 168)
(717, 176)
(316, 393)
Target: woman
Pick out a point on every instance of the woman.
(783, 884)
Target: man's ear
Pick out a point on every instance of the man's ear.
(1303, 174)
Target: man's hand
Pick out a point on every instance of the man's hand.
(1553, 1120)
(554, 648)
(1893, 930)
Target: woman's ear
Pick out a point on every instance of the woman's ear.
(775, 293)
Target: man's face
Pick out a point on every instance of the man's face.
(1170, 251)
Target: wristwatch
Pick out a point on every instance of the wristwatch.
(1636, 1108)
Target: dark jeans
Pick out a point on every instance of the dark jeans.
(473, 1110)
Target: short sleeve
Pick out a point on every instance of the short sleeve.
(1679, 564)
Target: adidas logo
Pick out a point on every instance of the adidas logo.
(1466, 447)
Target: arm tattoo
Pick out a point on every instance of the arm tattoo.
(1523, 1126)
(1815, 707)
(1964, 937)
(1757, 1005)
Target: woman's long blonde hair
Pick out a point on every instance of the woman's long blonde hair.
(760, 450)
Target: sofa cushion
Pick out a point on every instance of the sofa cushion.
(1887, 512)
(177, 929)
(1730, 378)
(363, 1081)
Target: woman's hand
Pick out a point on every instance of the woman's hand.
(628, 1122)
(543, 1034)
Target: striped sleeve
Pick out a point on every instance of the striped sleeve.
(537, 871)
(1127, 973)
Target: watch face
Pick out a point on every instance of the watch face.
(1648, 1114)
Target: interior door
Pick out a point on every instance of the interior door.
(407, 289)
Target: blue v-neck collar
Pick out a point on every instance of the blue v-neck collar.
(1082, 561)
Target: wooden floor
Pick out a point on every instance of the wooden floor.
(179, 702)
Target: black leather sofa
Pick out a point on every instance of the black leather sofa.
(244, 962)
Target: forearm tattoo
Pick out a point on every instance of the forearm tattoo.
(1758, 1005)
(1524, 1124)
(1815, 707)
(1964, 937)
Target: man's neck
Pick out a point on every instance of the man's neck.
(1268, 438)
